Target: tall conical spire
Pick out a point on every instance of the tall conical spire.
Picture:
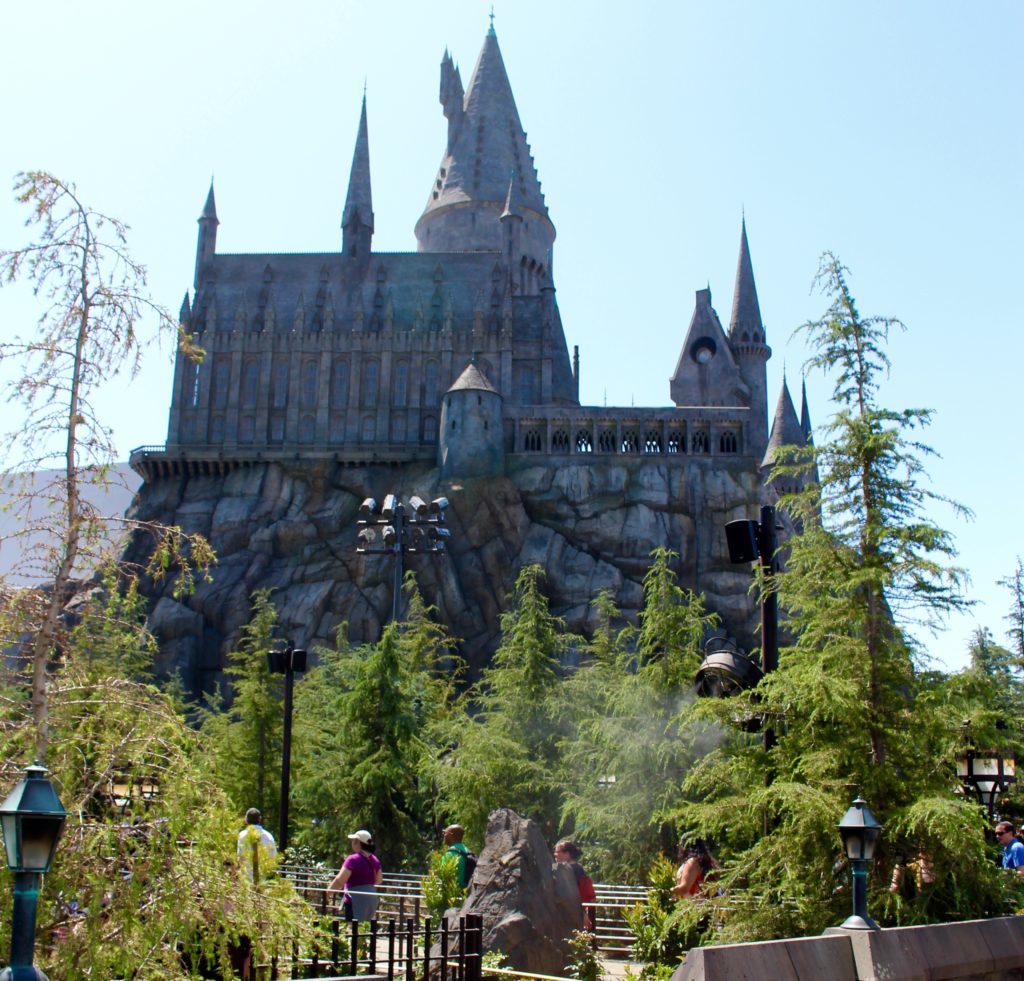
(805, 414)
(206, 246)
(486, 143)
(746, 312)
(786, 428)
(210, 208)
(357, 218)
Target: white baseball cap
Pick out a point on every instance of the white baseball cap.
(364, 836)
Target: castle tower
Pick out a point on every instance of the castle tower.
(706, 372)
(470, 438)
(206, 246)
(486, 143)
(786, 431)
(748, 343)
(357, 218)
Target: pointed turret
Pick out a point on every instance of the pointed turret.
(185, 313)
(786, 428)
(805, 415)
(206, 247)
(486, 143)
(747, 341)
(357, 218)
(706, 372)
(745, 323)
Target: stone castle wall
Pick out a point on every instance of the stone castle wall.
(291, 526)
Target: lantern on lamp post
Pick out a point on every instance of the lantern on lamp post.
(986, 775)
(32, 818)
(860, 832)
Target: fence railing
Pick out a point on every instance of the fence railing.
(401, 900)
(386, 950)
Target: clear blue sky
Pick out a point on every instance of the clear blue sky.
(890, 133)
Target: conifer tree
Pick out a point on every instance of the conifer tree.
(246, 738)
(847, 703)
(506, 753)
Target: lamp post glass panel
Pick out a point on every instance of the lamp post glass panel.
(986, 775)
(404, 530)
(286, 662)
(860, 832)
(32, 817)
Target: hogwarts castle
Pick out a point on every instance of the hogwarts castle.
(333, 377)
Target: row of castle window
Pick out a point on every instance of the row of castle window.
(369, 388)
(307, 429)
(629, 441)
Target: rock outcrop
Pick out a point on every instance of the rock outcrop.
(529, 905)
(292, 528)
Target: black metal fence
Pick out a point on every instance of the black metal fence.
(392, 950)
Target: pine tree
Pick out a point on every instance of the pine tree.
(847, 703)
(247, 736)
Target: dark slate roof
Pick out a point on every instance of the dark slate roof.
(746, 311)
(359, 201)
(488, 143)
(472, 379)
(786, 429)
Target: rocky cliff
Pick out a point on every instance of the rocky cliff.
(292, 528)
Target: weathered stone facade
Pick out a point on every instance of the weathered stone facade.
(333, 377)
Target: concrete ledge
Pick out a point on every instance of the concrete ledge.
(989, 949)
(780, 960)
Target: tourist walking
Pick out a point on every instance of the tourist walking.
(358, 877)
(698, 864)
(257, 849)
(452, 837)
(568, 853)
(1013, 850)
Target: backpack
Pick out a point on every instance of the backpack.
(469, 868)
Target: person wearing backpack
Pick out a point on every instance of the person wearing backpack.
(452, 837)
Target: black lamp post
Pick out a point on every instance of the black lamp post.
(986, 775)
(32, 818)
(420, 530)
(748, 541)
(860, 833)
(286, 662)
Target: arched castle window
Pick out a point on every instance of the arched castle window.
(727, 442)
(630, 441)
(246, 429)
(676, 443)
(221, 383)
(527, 385)
(250, 383)
(398, 428)
(430, 383)
(339, 384)
(652, 441)
(307, 428)
(428, 430)
(584, 442)
(559, 441)
(532, 441)
(606, 441)
(308, 393)
(217, 428)
(699, 442)
(279, 385)
(400, 385)
(192, 383)
(371, 382)
(368, 430)
(276, 429)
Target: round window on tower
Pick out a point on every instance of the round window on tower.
(703, 350)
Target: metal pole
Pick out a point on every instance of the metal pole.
(399, 539)
(23, 929)
(286, 747)
(769, 602)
